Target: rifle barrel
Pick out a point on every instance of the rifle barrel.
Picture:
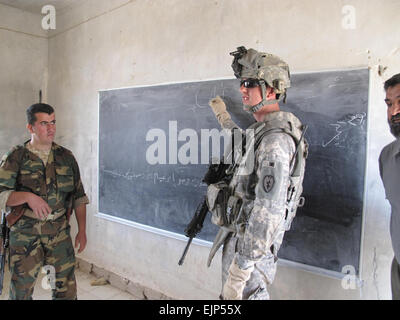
(185, 251)
(2, 266)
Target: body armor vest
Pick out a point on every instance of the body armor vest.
(226, 206)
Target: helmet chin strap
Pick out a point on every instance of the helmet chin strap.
(264, 102)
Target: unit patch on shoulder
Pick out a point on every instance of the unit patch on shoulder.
(269, 182)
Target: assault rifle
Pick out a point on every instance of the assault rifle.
(194, 227)
(215, 173)
(5, 233)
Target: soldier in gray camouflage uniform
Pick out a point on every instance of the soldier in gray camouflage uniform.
(43, 177)
(271, 193)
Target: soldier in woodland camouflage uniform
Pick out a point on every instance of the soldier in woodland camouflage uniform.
(271, 193)
(45, 178)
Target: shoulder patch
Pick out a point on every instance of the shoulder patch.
(268, 183)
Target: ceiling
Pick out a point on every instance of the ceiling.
(35, 6)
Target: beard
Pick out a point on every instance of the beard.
(394, 124)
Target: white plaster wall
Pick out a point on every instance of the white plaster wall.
(23, 71)
(109, 44)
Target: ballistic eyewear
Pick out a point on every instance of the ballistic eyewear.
(250, 83)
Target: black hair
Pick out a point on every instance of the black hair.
(393, 81)
(36, 108)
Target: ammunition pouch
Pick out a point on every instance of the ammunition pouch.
(233, 210)
(294, 200)
(225, 208)
(217, 202)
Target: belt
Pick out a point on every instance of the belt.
(52, 216)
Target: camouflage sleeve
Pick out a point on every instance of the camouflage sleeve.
(272, 168)
(82, 200)
(3, 200)
(229, 124)
(8, 171)
(8, 176)
(79, 191)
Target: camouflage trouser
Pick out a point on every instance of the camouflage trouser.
(264, 270)
(34, 244)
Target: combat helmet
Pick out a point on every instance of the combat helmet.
(267, 68)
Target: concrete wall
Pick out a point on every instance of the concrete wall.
(23, 71)
(109, 44)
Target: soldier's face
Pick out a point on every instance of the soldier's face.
(44, 128)
(251, 96)
(393, 111)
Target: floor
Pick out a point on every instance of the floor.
(85, 290)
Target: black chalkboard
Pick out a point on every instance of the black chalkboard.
(326, 232)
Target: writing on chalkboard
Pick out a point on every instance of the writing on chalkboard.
(157, 178)
(342, 126)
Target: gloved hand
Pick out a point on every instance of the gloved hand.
(219, 108)
(234, 285)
